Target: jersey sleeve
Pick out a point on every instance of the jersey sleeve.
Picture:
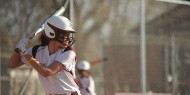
(67, 59)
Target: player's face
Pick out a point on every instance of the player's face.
(83, 73)
(64, 39)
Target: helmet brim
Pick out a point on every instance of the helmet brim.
(70, 30)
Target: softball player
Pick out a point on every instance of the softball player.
(87, 86)
(54, 59)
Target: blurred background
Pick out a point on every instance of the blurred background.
(146, 43)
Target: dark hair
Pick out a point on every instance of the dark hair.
(44, 40)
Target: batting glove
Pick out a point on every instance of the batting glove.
(21, 45)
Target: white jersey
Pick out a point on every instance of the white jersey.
(63, 81)
(87, 86)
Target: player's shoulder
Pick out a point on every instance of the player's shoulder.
(36, 49)
(69, 51)
(39, 47)
(69, 48)
(42, 47)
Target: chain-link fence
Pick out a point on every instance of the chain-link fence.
(111, 29)
(167, 50)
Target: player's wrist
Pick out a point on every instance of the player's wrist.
(31, 59)
(27, 56)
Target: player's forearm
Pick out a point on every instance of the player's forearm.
(43, 70)
(15, 61)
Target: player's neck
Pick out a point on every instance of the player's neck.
(52, 47)
(85, 74)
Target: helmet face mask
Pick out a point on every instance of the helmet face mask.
(57, 27)
(61, 37)
(71, 39)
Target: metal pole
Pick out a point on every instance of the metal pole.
(166, 63)
(143, 48)
(66, 4)
(184, 2)
(72, 12)
(0, 65)
(174, 84)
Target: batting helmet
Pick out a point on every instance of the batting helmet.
(83, 65)
(58, 24)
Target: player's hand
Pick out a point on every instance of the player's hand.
(21, 45)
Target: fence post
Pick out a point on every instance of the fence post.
(143, 48)
(174, 74)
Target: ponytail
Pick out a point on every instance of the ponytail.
(44, 40)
